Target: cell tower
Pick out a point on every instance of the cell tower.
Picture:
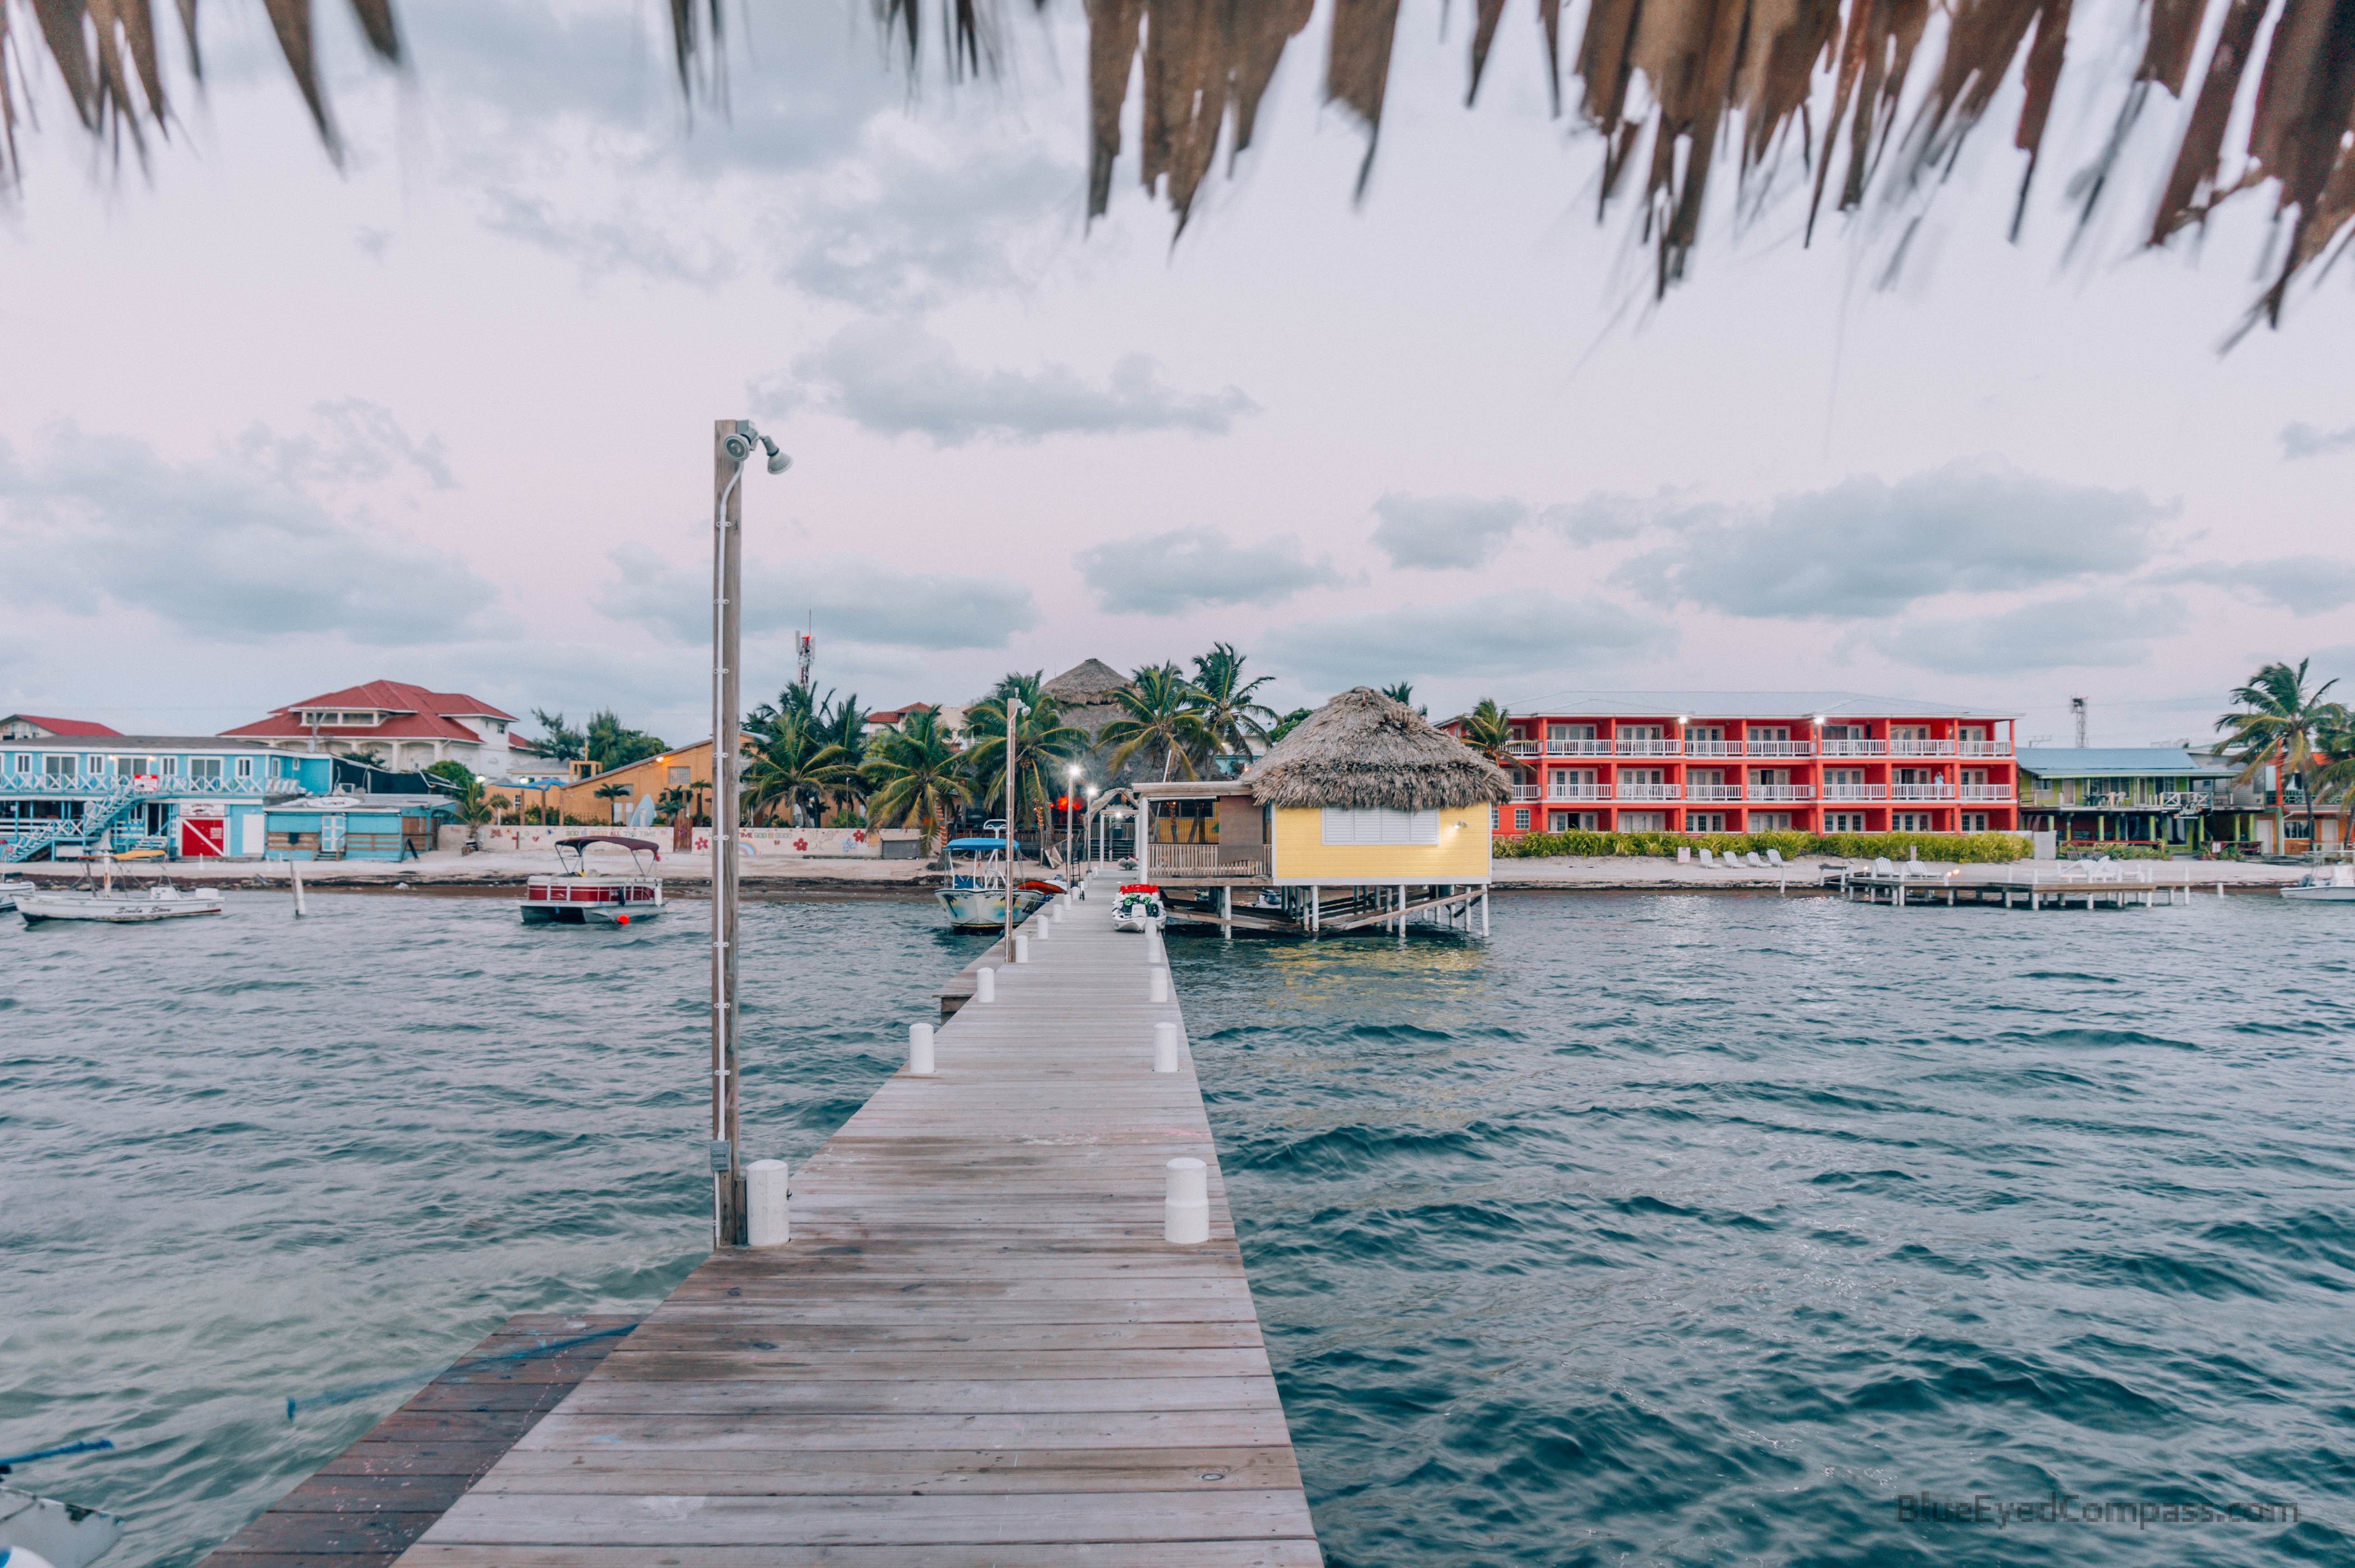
(2077, 709)
(805, 654)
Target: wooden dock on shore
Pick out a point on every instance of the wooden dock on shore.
(977, 1350)
(2084, 885)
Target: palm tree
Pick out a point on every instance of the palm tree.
(610, 792)
(1043, 747)
(844, 727)
(1161, 715)
(1287, 724)
(1223, 704)
(2332, 777)
(2280, 723)
(797, 768)
(476, 807)
(1489, 730)
(918, 778)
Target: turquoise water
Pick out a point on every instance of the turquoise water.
(1656, 1230)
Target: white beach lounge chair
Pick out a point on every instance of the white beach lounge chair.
(1881, 868)
(1709, 859)
(1753, 860)
(1775, 857)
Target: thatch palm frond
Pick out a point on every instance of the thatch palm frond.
(1834, 73)
(1362, 749)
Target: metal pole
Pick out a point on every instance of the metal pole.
(1013, 708)
(727, 632)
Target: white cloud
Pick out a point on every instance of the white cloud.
(1438, 533)
(897, 379)
(848, 599)
(2081, 631)
(1168, 574)
(2302, 584)
(1524, 631)
(2305, 440)
(241, 546)
(1864, 548)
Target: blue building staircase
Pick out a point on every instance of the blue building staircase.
(105, 813)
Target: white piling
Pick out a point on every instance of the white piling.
(1187, 1214)
(295, 870)
(1043, 925)
(768, 1218)
(985, 985)
(920, 1049)
(1164, 1048)
(1160, 985)
(1021, 947)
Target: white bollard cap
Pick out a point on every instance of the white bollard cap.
(1164, 1048)
(768, 1220)
(1186, 1212)
(1021, 948)
(920, 1049)
(985, 985)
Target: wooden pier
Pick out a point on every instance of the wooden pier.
(2041, 888)
(976, 1351)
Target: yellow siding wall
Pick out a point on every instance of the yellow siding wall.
(1460, 856)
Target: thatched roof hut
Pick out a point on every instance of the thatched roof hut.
(1363, 750)
(1088, 695)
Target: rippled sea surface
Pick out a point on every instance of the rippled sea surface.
(1659, 1230)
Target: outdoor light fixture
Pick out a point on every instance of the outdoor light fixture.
(735, 442)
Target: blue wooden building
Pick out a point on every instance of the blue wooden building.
(69, 796)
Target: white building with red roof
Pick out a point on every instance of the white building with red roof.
(393, 724)
(33, 727)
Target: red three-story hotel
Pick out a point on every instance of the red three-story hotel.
(1758, 762)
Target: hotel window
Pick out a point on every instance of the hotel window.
(1643, 822)
(1843, 822)
(1911, 822)
(1704, 822)
(1570, 731)
(245, 767)
(205, 768)
(1520, 820)
(1381, 825)
(678, 777)
(1770, 822)
(57, 767)
(1974, 822)
(22, 763)
(169, 767)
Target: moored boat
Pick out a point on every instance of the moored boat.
(2334, 886)
(45, 1531)
(975, 894)
(10, 887)
(1139, 908)
(578, 896)
(105, 904)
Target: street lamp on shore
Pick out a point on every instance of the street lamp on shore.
(734, 443)
(1014, 709)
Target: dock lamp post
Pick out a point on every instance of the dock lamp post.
(1070, 790)
(1092, 855)
(1014, 709)
(734, 442)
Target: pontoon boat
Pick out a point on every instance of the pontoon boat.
(576, 896)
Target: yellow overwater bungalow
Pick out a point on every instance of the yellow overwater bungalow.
(1364, 816)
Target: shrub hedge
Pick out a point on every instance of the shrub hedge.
(2089, 849)
(1971, 848)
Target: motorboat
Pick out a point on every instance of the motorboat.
(2336, 885)
(101, 902)
(1139, 908)
(11, 886)
(579, 896)
(45, 1531)
(975, 894)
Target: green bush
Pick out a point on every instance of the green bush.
(2094, 849)
(1973, 849)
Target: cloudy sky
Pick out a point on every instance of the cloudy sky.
(442, 414)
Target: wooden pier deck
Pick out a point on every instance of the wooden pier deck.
(976, 1351)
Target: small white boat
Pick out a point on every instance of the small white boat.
(977, 892)
(2334, 886)
(45, 1531)
(130, 906)
(578, 896)
(10, 887)
(1139, 909)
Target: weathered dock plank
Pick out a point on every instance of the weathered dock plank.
(371, 1501)
(977, 1348)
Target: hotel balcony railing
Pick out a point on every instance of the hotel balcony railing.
(1856, 748)
(1920, 746)
(1649, 792)
(1204, 860)
(1940, 791)
(1855, 792)
(1712, 747)
(78, 785)
(1581, 792)
(1525, 792)
(1523, 749)
(1987, 748)
(1648, 748)
(1986, 792)
(1712, 792)
(1782, 792)
(1779, 748)
(1579, 748)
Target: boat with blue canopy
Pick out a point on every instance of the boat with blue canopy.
(976, 891)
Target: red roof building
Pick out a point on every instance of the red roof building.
(33, 727)
(393, 724)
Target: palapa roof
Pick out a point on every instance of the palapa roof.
(1364, 750)
(1085, 684)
